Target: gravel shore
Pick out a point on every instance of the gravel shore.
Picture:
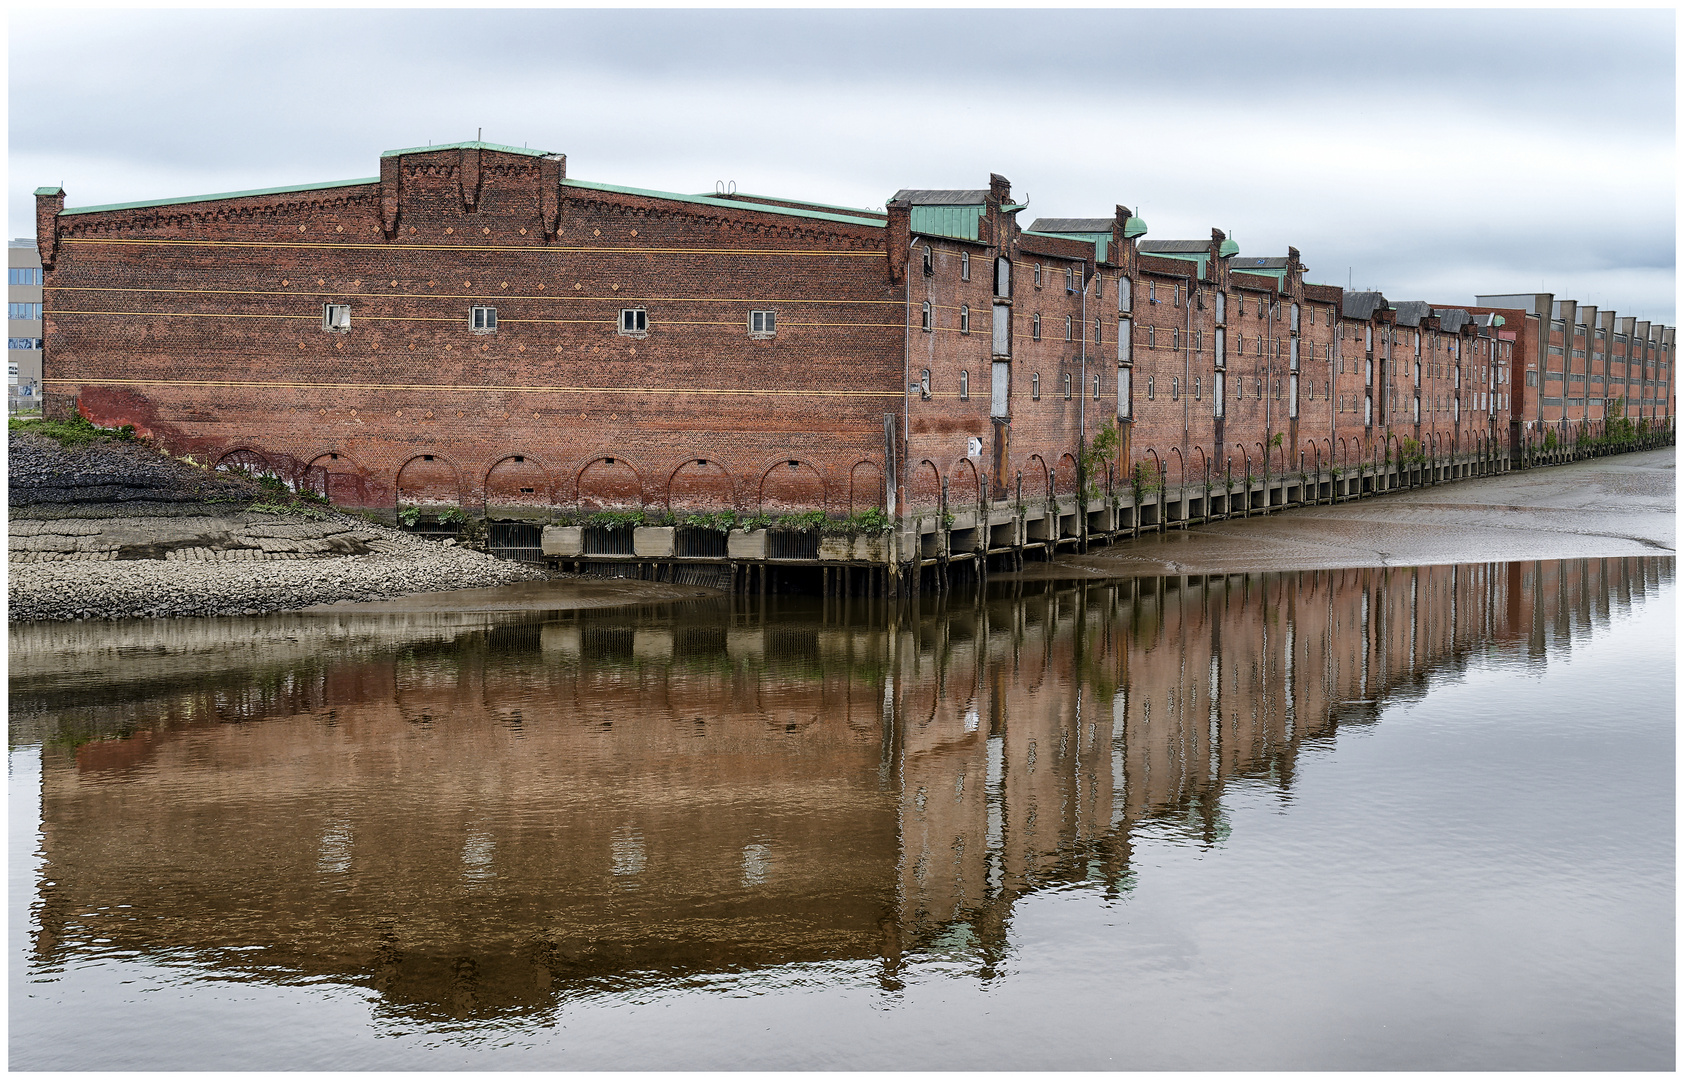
(119, 531)
(155, 587)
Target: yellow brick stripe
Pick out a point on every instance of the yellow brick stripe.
(435, 387)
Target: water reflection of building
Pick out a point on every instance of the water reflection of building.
(482, 818)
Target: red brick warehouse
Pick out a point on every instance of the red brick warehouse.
(472, 328)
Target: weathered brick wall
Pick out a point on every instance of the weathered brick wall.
(202, 324)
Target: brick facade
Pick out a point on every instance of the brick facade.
(622, 358)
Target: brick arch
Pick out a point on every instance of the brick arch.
(1064, 483)
(426, 483)
(248, 458)
(342, 481)
(1180, 466)
(607, 482)
(865, 487)
(518, 488)
(1039, 476)
(791, 485)
(924, 485)
(701, 485)
(964, 486)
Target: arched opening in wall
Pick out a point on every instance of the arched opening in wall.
(1262, 457)
(701, 486)
(1201, 465)
(1065, 483)
(1178, 477)
(791, 486)
(343, 482)
(246, 462)
(428, 483)
(964, 489)
(609, 483)
(1036, 478)
(925, 490)
(517, 488)
(865, 488)
(1156, 476)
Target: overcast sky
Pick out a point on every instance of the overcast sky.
(1429, 154)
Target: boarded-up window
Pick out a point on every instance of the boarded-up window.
(1002, 329)
(1002, 382)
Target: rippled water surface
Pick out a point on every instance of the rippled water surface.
(1333, 819)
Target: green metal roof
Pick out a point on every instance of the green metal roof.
(1134, 227)
(1100, 240)
(210, 198)
(1229, 247)
(48, 190)
(470, 145)
(802, 202)
(1201, 258)
(728, 204)
(958, 222)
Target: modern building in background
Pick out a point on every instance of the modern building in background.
(23, 326)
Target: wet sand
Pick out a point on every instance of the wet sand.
(562, 594)
(1603, 507)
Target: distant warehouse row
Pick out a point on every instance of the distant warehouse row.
(472, 328)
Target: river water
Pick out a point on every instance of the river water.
(1365, 818)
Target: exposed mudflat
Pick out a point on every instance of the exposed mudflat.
(1602, 507)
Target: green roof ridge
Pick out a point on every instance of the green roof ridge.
(470, 145)
(221, 195)
(728, 204)
(803, 202)
(48, 190)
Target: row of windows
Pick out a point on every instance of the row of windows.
(23, 275)
(23, 343)
(23, 311)
(925, 391)
(484, 319)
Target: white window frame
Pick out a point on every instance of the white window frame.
(762, 323)
(634, 322)
(964, 318)
(336, 318)
(482, 319)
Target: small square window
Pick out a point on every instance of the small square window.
(484, 319)
(336, 316)
(762, 323)
(634, 321)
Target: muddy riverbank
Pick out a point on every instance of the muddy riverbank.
(117, 530)
(1622, 505)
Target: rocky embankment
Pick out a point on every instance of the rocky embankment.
(117, 530)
